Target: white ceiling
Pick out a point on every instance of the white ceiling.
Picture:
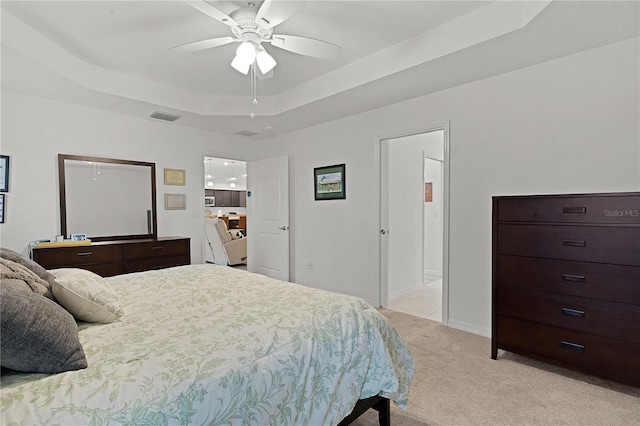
(115, 55)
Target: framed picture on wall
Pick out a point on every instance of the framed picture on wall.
(4, 173)
(428, 192)
(174, 177)
(2, 208)
(330, 182)
(175, 201)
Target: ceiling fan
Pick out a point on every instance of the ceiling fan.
(252, 28)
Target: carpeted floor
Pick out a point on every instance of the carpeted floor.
(457, 383)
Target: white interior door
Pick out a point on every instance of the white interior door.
(268, 217)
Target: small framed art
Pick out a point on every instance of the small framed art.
(330, 182)
(428, 192)
(175, 201)
(4, 173)
(174, 177)
(2, 202)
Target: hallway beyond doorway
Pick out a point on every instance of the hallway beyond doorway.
(423, 303)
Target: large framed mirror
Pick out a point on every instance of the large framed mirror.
(107, 199)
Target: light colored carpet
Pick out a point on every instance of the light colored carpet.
(457, 383)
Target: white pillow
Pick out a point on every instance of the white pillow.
(87, 296)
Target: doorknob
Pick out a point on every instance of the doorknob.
(284, 227)
(382, 231)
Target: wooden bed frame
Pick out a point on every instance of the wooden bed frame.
(380, 404)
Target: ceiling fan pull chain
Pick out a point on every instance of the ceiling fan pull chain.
(253, 89)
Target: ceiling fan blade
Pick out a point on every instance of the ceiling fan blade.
(306, 46)
(212, 11)
(272, 13)
(204, 44)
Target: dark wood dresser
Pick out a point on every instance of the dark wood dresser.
(566, 281)
(117, 257)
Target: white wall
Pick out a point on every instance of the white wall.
(566, 126)
(569, 125)
(35, 131)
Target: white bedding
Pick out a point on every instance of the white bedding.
(207, 344)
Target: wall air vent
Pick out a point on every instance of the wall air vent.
(164, 116)
(246, 133)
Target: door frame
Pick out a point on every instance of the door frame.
(383, 144)
(231, 157)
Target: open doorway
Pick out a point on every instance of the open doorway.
(225, 198)
(414, 224)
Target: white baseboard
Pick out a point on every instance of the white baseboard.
(430, 275)
(459, 325)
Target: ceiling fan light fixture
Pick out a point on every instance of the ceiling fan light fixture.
(240, 66)
(265, 61)
(245, 56)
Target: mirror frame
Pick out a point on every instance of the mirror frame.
(63, 195)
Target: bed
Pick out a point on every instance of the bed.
(208, 344)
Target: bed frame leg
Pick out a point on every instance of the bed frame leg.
(384, 411)
(378, 403)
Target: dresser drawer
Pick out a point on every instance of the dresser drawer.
(612, 358)
(616, 283)
(601, 317)
(618, 245)
(70, 257)
(139, 265)
(160, 248)
(610, 208)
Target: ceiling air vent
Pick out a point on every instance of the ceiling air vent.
(164, 116)
(246, 133)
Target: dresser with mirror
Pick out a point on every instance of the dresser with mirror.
(113, 203)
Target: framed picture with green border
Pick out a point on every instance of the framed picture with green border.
(330, 182)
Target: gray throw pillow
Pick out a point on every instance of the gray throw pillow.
(37, 335)
(45, 275)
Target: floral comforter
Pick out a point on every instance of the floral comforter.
(207, 344)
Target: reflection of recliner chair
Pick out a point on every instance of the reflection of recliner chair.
(225, 248)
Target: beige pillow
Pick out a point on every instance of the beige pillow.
(87, 296)
(16, 257)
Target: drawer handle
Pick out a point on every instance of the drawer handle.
(157, 248)
(573, 278)
(85, 254)
(574, 243)
(574, 210)
(573, 312)
(572, 346)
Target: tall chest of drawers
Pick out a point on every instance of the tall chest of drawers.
(566, 281)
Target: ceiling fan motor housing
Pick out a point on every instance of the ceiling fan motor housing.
(248, 29)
